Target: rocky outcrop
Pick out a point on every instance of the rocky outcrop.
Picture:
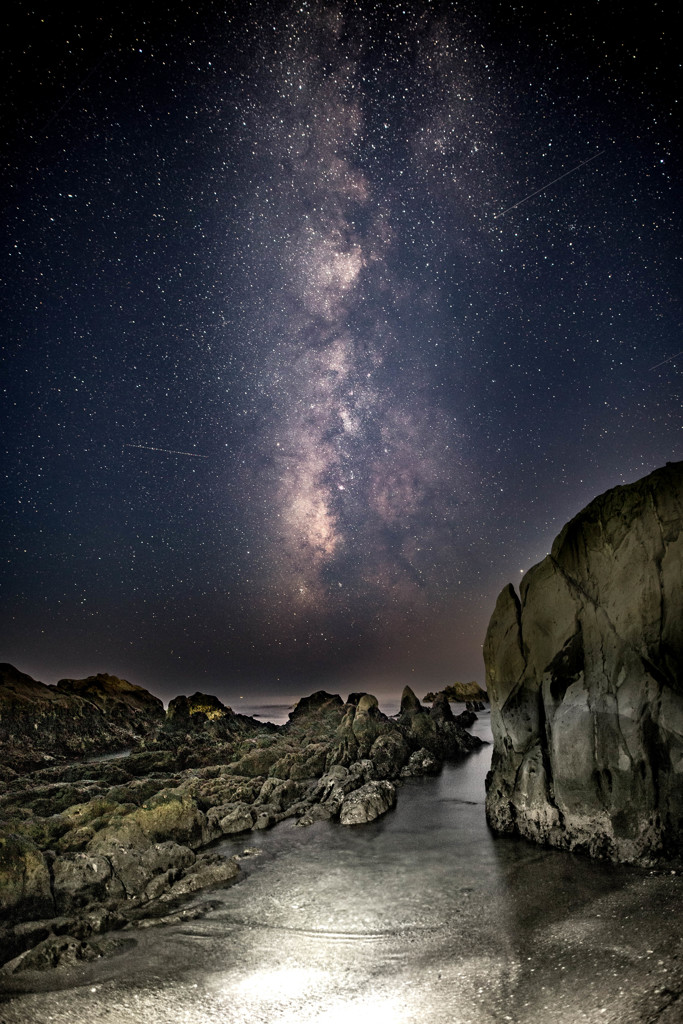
(90, 846)
(436, 730)
(367, 803)
(463, 693)
(24, 878)
(585, 675)
(72, 719)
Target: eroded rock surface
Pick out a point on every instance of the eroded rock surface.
(88, 847)
(367, 803)
(72, 719)
(585, 675)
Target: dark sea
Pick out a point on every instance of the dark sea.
(421, 916)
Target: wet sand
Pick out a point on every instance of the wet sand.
(422, 916)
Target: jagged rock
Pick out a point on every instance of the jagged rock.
(231, 819)
(389, 753)
(121, 837)
(203, 732)
(441, 709)
(367, 803)
(258, 761)
(466, 718)
(362, 726)
(24, 880)
(80, 878)
(280, 793)
(421, 762)
(227, 789)
(265, 816)
(366, 724)
(418, 724)
(315, 703)
(199, 704)
(461, 693)
(74, 718)
(436, 730)
(318, 812)
(120, 701)
(584, 672)
(135, 859)
(345, 748)
(308, 763)
(336, 783)
(208, 870)
(409, 702)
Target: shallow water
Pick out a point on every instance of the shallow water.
(422, 916)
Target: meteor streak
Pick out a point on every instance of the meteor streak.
(668, 360)
(169, 451)
(547, 185)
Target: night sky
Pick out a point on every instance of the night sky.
(319, 322)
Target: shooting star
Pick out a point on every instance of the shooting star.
(169, 451)
(674, 356)
(548, 184)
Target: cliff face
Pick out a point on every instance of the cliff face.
(585, 676)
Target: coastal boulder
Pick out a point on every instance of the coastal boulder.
(361, 725)
(229, 819)
(210, 870)
(389, 753)
(585, 676)
(136, 859)
(367, 803)
(79, 879)
(421, 762)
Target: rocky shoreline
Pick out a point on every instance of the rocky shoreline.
(88, 847)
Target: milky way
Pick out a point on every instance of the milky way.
(359, 508)
(321, 321)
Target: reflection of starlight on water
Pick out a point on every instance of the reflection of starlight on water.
(287, 987)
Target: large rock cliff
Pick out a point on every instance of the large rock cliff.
(585, 676)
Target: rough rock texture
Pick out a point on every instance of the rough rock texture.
(585, 676)
(74, 718)
(461, 693)
(90, 846)
(367, 803)
(437, 730)
(24, 878)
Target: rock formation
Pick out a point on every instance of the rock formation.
(463, 693)
(89, 846)
(74, 718)
(584, 672)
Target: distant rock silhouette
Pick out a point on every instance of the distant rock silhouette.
(461, 693)
(585, 675)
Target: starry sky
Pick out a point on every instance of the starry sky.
(319, 321)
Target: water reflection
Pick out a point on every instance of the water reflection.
(424, 915)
